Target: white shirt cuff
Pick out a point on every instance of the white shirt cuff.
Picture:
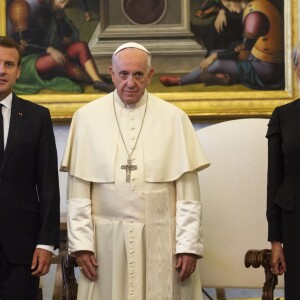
(46, 247)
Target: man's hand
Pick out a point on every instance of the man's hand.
(278, 260)
(220, 21)
(57, 55)
(186, 265)
(242, 51)
(41, 262)
(206, 62)
(87, 264)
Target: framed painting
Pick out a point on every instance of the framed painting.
(176, 33)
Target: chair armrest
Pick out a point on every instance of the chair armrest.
(68, 263)
(257, 258)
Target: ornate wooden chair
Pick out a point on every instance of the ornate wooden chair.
(262, 258)
(233, 193)
(65, 287)
(69, 291)
(63, 271)
(65, 283)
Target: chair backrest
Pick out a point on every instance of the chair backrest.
(233, 192)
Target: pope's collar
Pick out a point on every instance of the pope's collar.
(120, 103)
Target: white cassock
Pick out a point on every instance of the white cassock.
(134, 228)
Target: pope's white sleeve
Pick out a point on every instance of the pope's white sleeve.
(189, 237)
(79, 215)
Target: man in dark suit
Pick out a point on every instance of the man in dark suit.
(29, 191)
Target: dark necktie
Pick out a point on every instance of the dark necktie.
(1, 134)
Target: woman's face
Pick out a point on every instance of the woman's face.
(233, 6)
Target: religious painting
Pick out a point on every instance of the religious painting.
(243, 42)
(54, 43)
(201, 63)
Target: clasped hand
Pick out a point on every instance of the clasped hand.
(186, 265)
(87, 264)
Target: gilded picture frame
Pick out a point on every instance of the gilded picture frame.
(198, 105)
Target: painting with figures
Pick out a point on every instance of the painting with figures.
(200, 48)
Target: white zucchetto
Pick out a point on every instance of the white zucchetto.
(131, 45)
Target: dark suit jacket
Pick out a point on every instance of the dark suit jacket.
(283, 168)
(29, 191)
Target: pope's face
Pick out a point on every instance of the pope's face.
(9, 70)
(131, 74)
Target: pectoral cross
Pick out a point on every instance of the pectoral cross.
(128, 169)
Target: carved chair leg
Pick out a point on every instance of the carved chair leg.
(69, 280)
(57, 292)
(257, 258)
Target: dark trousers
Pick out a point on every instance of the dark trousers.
(16, 281)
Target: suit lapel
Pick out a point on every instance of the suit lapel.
(16, 118)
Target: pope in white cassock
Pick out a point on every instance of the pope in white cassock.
(133, 208)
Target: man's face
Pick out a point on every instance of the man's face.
(9, 70)
(58, 6)
(131, 74)
(233, 6)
